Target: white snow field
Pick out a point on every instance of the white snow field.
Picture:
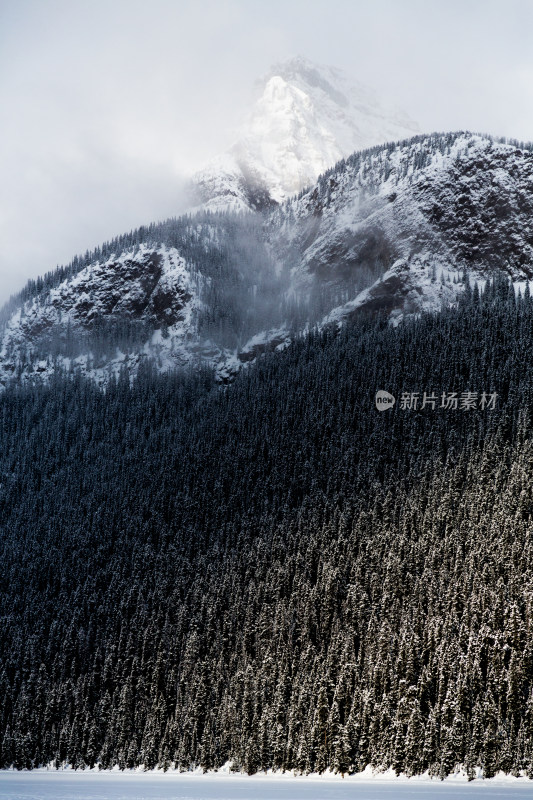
(115, 785)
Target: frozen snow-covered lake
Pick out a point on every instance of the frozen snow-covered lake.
(43, 785)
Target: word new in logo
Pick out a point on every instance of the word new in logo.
(384, 400)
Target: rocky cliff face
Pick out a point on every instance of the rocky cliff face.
(410, 218)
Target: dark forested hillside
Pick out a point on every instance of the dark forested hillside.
(275, 573)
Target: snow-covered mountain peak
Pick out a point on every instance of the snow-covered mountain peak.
(305, 118)
(301, 72)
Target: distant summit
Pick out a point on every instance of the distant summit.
(305, 118)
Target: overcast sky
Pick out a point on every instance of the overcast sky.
(105, 105)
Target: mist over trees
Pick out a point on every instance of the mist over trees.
(240, 288)
(274, 573)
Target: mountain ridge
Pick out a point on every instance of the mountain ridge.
(391, 229)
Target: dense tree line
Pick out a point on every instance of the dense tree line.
(275, 573)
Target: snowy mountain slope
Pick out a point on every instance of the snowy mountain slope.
(83, 322)
(306, 118)
(428, 208)
(187, 292)
(392, 229)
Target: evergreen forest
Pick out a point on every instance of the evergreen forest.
(274, 573)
